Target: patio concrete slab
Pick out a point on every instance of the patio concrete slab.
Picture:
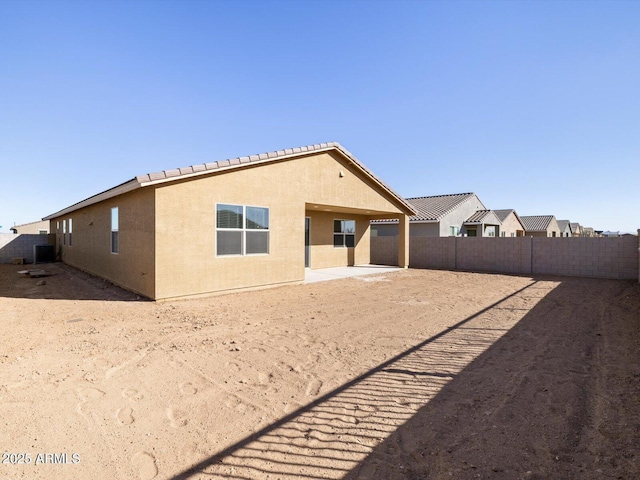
(335, 273)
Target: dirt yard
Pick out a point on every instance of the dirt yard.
(411, 375)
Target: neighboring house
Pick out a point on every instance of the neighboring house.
(576, 229)
(610, 234)
(511, 224)
(40, 227)
(565, 228)
(234, 224)
(483, 223)
(540, 226)
(437, 216)
(588, 232)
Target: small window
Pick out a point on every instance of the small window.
(241, 230)
(115, 240)
(503, 233)
(344, 233)
(70, 230)
(43, 232)
(454, 231)
(64, 232)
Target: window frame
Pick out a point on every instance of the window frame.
(243, 230)
(70, 231)
(344, 234)
(64, 232)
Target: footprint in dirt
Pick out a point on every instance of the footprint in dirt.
(89, 393)
(86, 395)
(132, 394)
(125, 416)
(145, 463)
(263, 378)
(176, 418)
(313, 387)
(188, 389)
(233, 367)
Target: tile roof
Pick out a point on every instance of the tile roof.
(503, 214)
(483, 216)
(435, 207)
(563, 224)
(235, 162)
(228, 164)
(575, 227)
(536, 223)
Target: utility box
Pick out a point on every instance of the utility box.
(44, 253)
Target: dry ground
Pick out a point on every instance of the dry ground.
(411, 375)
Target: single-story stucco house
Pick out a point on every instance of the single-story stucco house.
(239, 223)
(511, 224)
(576, 229)
(565, 228)
(442, 216)
(41, 227)
(540, 226)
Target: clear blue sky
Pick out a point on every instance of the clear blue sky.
(532, 105)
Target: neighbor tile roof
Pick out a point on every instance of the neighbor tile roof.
(503, 214)
(480, 216)
(223, 165)
(536, 223)
(432, 209)
(563, 224)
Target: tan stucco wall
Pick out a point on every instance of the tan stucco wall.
(186, 262)
(324, 254)
(133, 266)
(511, 225)
(32, 228)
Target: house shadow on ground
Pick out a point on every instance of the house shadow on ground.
(59, 282)
(542, 384)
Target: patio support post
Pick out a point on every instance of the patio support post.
(403, 241)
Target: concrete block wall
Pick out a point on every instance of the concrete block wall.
(587, 257)
(20, 246)
(494, 254)
(432, 252)
(617, 258)
(385, 251)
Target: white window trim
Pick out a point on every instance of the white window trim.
(244, 231)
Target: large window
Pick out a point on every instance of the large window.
(64, 232)
(70, 231)
(241, 230)
(344, 233)
(115, 240)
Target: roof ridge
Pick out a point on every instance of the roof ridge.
(233, 161)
